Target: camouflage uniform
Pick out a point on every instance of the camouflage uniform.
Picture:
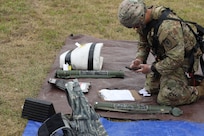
(171, 82)
(83, 121)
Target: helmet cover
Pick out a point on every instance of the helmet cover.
(131, 13)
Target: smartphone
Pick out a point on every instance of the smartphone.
(132, 68)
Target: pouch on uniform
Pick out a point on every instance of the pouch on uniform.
(199, 73)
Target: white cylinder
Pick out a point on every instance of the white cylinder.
(80, 57)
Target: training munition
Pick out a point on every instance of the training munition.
(137, 108)
(88, 74)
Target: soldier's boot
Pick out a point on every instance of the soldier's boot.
(200, 88)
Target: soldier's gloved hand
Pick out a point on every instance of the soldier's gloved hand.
(135, 63)
(144, 68)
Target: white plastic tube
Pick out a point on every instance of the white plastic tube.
(80, 56)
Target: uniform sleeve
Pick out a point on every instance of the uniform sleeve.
(171, 38)
(142, 48)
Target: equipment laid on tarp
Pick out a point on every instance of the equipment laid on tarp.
(118, 95)
(89, 74)
(117, 55)
(84, 57)
(84, 121)
(60, 83)
(170, 124)
(138, 108)
(37, 110)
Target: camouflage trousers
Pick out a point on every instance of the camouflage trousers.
(172, 89)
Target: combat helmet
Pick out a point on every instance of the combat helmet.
(131, 13)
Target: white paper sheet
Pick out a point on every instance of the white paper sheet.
(116, 95)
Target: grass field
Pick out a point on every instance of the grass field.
(33, 31)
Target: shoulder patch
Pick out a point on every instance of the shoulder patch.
(169, 43)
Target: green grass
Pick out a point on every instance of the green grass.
(32, 32)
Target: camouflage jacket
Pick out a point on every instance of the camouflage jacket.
(175, 39)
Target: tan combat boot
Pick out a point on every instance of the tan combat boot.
(201, 88)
